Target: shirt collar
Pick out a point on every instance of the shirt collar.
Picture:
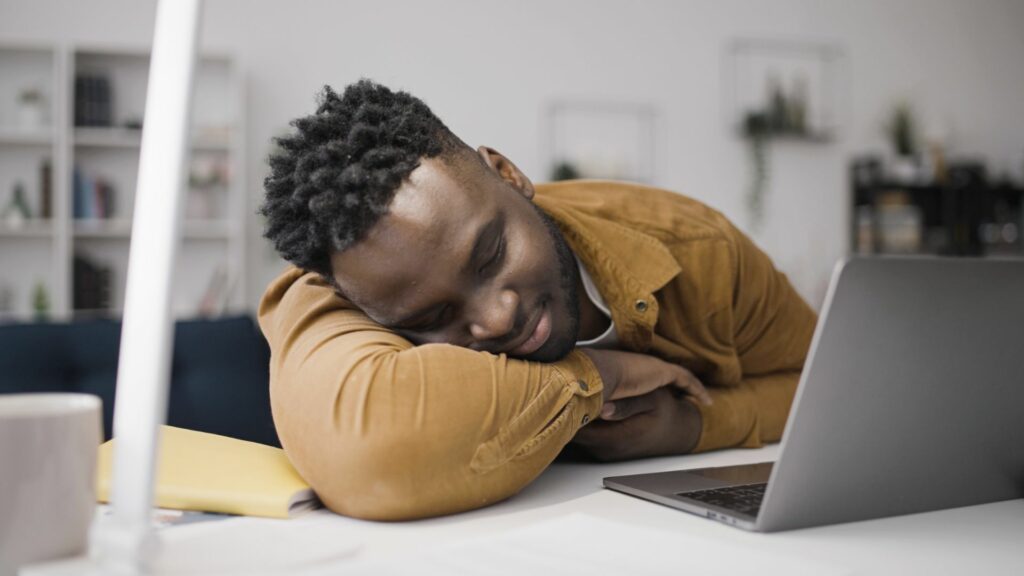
(627, 265)
(610, 250)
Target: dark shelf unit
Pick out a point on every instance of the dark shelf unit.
(953, 211)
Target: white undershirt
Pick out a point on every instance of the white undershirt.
(609, 339)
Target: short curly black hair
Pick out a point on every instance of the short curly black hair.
(333, 178)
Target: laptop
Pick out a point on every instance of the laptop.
(912, 399)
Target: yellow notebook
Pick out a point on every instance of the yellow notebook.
(211, 473)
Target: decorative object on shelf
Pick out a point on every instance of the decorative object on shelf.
(92, 198)
(40, 303)
(608, 140)
(93, 100)
(902, 133)
(900, 224)
(757, 130)
(781, 89)
(208, 171)
(31, 109)
(45, 189)
(17, 212)
(208, 180)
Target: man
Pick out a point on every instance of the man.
(448, 327)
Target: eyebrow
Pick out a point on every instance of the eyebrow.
(484, 238)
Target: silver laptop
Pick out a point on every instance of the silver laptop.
(912, 399)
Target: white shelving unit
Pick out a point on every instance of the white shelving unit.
(39, 254)
(32, 252)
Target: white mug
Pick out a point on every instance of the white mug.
(48, 445)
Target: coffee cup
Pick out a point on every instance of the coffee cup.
(48, 446)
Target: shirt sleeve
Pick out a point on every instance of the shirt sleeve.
(765, 331)
(385, 430)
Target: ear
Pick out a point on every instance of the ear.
(508, 171)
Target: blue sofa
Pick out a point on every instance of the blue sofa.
(219, 378)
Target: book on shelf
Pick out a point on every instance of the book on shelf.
(91, 282)
(93, 100)
(92, 198)
(212, 473)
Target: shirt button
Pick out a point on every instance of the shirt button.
(586, 419)
(583, 385)
(640, 305)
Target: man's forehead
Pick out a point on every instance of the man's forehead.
(416, 246)
(433, 197)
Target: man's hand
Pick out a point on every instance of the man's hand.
(659, 423)
(630, 374)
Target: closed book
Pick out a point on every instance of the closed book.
(211, 473)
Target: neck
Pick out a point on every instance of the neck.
(593, 322)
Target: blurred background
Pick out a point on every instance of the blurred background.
(822, 128)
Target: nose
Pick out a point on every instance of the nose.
(494, 315)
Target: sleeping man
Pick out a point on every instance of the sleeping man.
(448, 327)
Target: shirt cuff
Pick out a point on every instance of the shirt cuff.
(584, 381)
(729, 422)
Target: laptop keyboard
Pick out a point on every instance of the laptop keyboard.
(744, 499)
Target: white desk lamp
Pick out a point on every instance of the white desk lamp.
(127, 544)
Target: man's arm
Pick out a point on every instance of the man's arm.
(761, 338)
(385, 430)
(768, 330)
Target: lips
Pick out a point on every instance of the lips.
(538, 335)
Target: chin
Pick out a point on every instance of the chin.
(561, 342)
(551, 353)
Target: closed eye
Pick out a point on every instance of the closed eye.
(431, 323)
(495, 259)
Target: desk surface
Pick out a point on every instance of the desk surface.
(973, 540)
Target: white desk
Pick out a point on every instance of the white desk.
(978, 540)
(986, 539)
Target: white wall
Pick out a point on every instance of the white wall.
(488, 68)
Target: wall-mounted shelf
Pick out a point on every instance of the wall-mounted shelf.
(25, 137)
(27, 229)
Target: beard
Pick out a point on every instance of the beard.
(565, 331)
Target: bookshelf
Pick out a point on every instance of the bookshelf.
(964, 213)
(89, 103)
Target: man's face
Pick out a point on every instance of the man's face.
(464, 257)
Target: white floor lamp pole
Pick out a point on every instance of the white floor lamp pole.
(129, 544)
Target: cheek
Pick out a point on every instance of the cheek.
(532, 261)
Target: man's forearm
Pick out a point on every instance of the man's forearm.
(748, 415)
(385, 430)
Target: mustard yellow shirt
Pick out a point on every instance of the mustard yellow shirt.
(382, 429)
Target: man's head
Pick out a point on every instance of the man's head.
(428, 237)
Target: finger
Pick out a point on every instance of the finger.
(692, 385)
(622, 409)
